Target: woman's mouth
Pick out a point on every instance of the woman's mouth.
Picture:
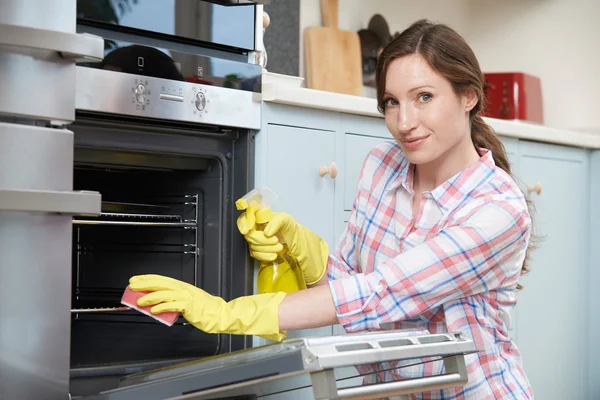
(413, 143)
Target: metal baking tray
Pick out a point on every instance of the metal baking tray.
(260, 372)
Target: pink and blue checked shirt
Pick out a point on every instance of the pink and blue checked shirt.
(454, 268)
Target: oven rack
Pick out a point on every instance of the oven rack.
(141, 214)
(158, 248)
(129, 312)
(99, 310)
(94, 296)
(166, 221)
(158, 214)
(122, 311)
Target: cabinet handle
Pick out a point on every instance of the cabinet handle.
(537, 188)
(332, 170)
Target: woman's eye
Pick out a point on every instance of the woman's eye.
(425, 97)
(390, 103)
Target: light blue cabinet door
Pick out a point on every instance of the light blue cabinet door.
(552, 316)
(290, 159)
(357, 147)
(511, 146)
(594, 274)
(294, 156)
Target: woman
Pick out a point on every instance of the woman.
(437, 237)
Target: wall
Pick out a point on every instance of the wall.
(556, 40)
(355, 14)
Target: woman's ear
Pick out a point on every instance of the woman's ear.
(470, 99)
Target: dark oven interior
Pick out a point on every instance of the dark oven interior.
(167, 208)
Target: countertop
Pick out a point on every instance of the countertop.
(317, 99)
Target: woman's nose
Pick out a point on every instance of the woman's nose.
(407, 119)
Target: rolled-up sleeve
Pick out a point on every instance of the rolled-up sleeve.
(482, 252)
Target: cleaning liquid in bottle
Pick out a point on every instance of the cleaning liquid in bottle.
(282, 274)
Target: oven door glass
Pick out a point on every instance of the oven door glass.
(194, 19)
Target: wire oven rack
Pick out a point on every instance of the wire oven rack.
(261, 372)
(156, 215)
(136, 214)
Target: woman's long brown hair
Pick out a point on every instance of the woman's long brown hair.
(450, 55)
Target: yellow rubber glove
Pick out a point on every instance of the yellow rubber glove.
(306, 247)
(250, 315)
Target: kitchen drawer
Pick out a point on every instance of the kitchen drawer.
(357, 147)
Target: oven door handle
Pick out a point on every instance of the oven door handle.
(51, 202)
(78, 47)
(325, 387)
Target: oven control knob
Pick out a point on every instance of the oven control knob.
(140, 93)
(200, 101)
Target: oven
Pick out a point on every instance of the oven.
(167, 208)
(164, 130)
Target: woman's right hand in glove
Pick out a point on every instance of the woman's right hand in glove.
(306, 247)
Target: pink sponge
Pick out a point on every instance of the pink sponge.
(130, 298)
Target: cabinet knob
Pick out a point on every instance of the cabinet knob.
(537, 188)
(332, 170)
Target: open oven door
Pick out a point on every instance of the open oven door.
(308, 364)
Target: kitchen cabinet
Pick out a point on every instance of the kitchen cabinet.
(289, 160)
(511, 146)
(593, 308)
(551, 316)
(293, 172)
(551, 324)
(360, 135)
(553, 304)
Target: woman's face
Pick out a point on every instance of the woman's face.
(422, 111)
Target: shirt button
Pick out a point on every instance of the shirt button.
(378, 288)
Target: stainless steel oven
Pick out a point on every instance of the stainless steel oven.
(126, 158)
(164, 130)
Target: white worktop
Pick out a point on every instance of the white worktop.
(317, 99)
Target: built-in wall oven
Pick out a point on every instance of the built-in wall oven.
(164, 130)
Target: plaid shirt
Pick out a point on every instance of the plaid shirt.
(454, 268)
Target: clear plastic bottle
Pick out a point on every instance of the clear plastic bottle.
(282, 274)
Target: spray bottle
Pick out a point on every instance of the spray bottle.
(282, 274)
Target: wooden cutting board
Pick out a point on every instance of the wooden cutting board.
(332, 56)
